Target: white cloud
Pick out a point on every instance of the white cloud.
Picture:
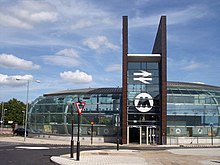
(25, 14)
(43, 17)
(188, 14)
(85, 22)
(66, 57)
(175, 16)
(114, 67)
(99, 42)
(186, 65)
(14, 81)
(76, 77)
(192, 65)
(79, 9)
(13, 62)
(68, 53)
(141, 2)
(82, 24)
(7, 20)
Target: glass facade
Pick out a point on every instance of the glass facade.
(136, 87)
(192, 111)
(52, 114)
(143, 102)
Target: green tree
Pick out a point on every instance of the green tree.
(14, 111)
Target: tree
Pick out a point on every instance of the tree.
(14, 111)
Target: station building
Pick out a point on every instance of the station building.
(151, 110)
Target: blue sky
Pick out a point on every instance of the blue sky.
(70, 44)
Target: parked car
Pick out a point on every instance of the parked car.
(20, 132)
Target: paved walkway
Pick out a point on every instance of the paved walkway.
(103, 157)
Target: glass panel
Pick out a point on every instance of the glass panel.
(134, 65)
(152, 65)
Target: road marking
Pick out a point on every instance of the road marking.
(9, 149)
(33, 148)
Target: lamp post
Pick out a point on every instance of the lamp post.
(26, 111)
(23, 117)
(2, 116)
(72, 128)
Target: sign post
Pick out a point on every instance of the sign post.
(211, 125)
(117, 124)
(92, 123)
(72, 128)
(79, 106)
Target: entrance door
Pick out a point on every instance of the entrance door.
(152, 135)
(134, 135)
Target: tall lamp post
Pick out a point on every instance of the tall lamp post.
(26, 111)
(23, 118)
(2, 116)
(72, 140)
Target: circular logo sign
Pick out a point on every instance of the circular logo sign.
(200, 130)
(178, 131)
(143, 102)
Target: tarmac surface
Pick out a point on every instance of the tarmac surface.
(177, 156)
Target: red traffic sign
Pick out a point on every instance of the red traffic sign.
(80, 106)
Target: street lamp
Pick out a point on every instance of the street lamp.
(26, 111)
(23, 117)
(2, 116)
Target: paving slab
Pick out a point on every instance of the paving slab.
(103, 157)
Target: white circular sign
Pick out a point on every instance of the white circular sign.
(200, 130)
(106, 131)
(143, 102)
(178, 131)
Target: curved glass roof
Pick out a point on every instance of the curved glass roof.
(194, 93)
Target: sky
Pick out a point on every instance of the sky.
(72, 44)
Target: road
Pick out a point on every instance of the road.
(39, 154)
(26, 154)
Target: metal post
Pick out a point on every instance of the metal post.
(72, 140)
(117, 137)
(92, 132)
(78, 142)
(2, 117)
(26, 111)
(26, 115)
(211, 125)
(117, 122)
(23, 118)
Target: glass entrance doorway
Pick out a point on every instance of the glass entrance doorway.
(134, 135)
(152, 135)
(143, 134)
